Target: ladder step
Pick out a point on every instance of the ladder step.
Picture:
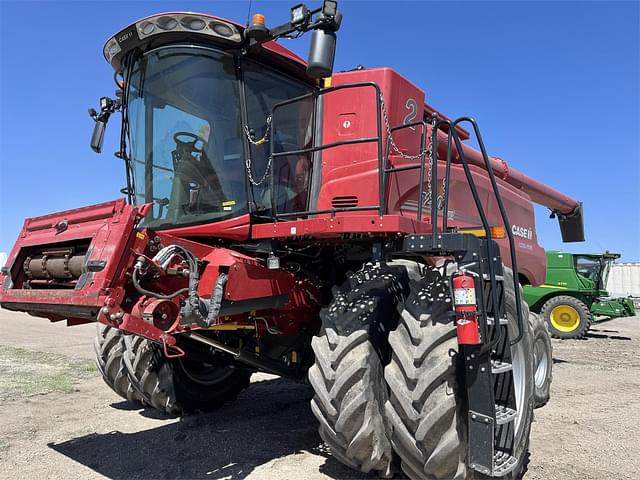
(503, 321)
(505, 414)
(500, 367)
(503, 463)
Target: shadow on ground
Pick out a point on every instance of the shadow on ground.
(593, 334)
(270, 420)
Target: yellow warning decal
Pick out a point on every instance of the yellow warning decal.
(140, 235)
(228, 203)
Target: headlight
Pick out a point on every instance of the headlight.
(111, 49)
(168, 23)
(221, 29)
(193, 23)
(182, 22)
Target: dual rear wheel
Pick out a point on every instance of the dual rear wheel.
(387, 380)
(386, 375)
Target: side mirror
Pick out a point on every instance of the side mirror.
(322, 51)
(107, 107)
(97, 138)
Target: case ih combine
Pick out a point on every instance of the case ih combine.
(340, 231)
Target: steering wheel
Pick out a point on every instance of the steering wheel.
(189, 144)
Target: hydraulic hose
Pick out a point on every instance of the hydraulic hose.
(204, 316)
(161, 296)
(216, 299)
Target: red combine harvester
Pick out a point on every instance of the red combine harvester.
(338, 230)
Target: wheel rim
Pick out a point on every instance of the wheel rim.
(204, 373)
(542, 362)
(520, 386)
(565, 318)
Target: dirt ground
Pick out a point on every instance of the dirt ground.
(589, 430)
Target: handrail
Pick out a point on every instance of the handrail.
(384, 169)
(505, 220)
(378, 139)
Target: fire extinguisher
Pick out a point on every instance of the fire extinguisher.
(466, 309)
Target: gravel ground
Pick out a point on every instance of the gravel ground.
(589, 430)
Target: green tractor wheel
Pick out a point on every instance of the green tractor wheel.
(566, 317)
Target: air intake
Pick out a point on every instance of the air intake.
(344, 202)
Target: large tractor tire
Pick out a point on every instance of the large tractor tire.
(542, 361)
(347, 376)
(180, 385)
(426, 401)
(566, 317)
(109, 347)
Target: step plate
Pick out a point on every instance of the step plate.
(503, 463)
(505, 414)
(498, 367)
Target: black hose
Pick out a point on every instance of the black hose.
(161, 296)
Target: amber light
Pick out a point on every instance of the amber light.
(496, 232)
(257, 19)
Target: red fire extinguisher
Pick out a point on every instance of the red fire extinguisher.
(466, 308)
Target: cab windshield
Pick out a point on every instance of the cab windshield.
(591, 268)
(187, 139)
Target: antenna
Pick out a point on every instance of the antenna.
(249, 13)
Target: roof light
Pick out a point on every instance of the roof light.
(147, 28)
(299, 14)
(221, 29)
(111, 49)
(167, 23)
(193, 23)
(258, 19)
(187, 23)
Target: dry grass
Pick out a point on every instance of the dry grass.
(24, 373)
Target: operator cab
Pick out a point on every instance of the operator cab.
(595, 267)
(188, 141)
(196, 98)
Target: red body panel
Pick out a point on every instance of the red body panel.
(352, 170)
(109, 228)
(233, 229)
(108, 294)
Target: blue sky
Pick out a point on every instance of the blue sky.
(554, 86)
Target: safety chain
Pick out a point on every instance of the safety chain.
(428, 152)
(260, 141)
(392, 141)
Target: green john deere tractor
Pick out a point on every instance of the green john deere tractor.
(574, 294)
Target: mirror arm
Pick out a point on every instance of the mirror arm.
(329, 23)
(107, 107)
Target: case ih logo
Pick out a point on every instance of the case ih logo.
(522, 232)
